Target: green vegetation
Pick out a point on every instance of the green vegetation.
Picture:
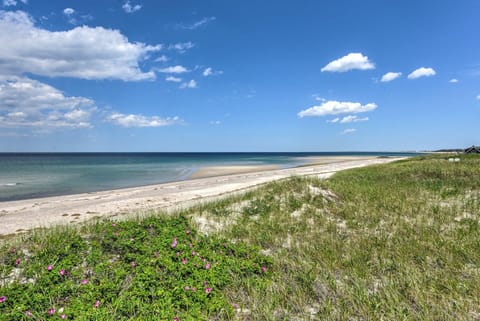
(389, 242)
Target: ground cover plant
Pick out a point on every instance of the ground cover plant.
(388, 242)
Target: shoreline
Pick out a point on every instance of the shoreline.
(206, 184)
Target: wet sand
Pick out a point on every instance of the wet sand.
(206, 184)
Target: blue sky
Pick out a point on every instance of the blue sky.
(166, 76)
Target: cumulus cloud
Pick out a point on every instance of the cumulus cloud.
(190, 84)
(30, 103)
(137, 120)
(82, 52)
(210, 72)
(174, 70)
(421, 72)
(389, 76)
(128, 8)
(348, 131)
(453, 81)
(181, 47)
(173, 79)
(197, 24)
(68, 11)
(349, 62)
(333, 107)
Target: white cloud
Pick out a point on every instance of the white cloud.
(68, 11)
(349, 62)
(478, 97)
(191, 84)
(10, 3)
(453, 81)
(389, 76)
(162, 58)
(215, 122)
(197, 24)
(133, 120)
(30, 103)
(333, 107)
(335, 120)
(181, 47)
(352, 119)
(207, 72)
(421, 72)
(173, 79)
(348, 131)
(128, 8)
(82, 52)
(174, 70)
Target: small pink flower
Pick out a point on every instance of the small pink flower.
(187, 231)
(175, 319)
(49, 267)
(235, 306)
(62, 272)
(193, 253)
(264, 269)
(116, 234)
(174, 243)
(84, 281)
(178, 253)
(63, 316)
(194, 289)
(17, 261)
(208, 290)
(28, 313)
(51, 311)
(191, 245)
(3, 298)
(186, 288)
(114, 224)
(184, 261)
(133, 264)
(97, 304)
(207, 266)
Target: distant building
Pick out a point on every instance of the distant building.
(472, 150)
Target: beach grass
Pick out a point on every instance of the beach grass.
(398, 241)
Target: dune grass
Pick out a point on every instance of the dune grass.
(389, 242)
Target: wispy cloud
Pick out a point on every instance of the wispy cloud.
(352, 119)
(453, 81)
(178, 69)
(421, 72)
(12, 3)
(389, 76)
(349, 62)
(333, 107)
(181, 47)
(138, 120)
(190, 84)
(210, 72)
(215, 122)
(197, 24)
(478, 97)
(173, 79)
(162, 58)
(87, 53)
(129, 8)
(348, 131)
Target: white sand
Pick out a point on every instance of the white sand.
(23, 215)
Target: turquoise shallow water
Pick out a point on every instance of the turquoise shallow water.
(31, 175)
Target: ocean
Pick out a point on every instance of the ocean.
(33, 175)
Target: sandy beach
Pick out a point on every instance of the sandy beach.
(206, 184)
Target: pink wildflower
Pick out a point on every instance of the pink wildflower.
(49, 267)
(175, 319)
(207, 266)
(186, 288)
(63, 316)
(205, 283)
(84, 281)
(133, 264)
(191, 245)
(184, 261)
(62, 272)
(235, 306)
(3, 298)
(51, 311)
(28, 313)
(264, 269)
(97, 304)
(174, 243)
(17, 261)
(193, 253)
(187, 231)
(178, 253)
(194, 289)
(114, 224)
(208, 290)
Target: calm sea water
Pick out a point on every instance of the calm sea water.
(31, 175)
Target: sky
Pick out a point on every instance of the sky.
(239, 76)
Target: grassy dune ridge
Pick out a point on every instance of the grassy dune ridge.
(387, 242)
